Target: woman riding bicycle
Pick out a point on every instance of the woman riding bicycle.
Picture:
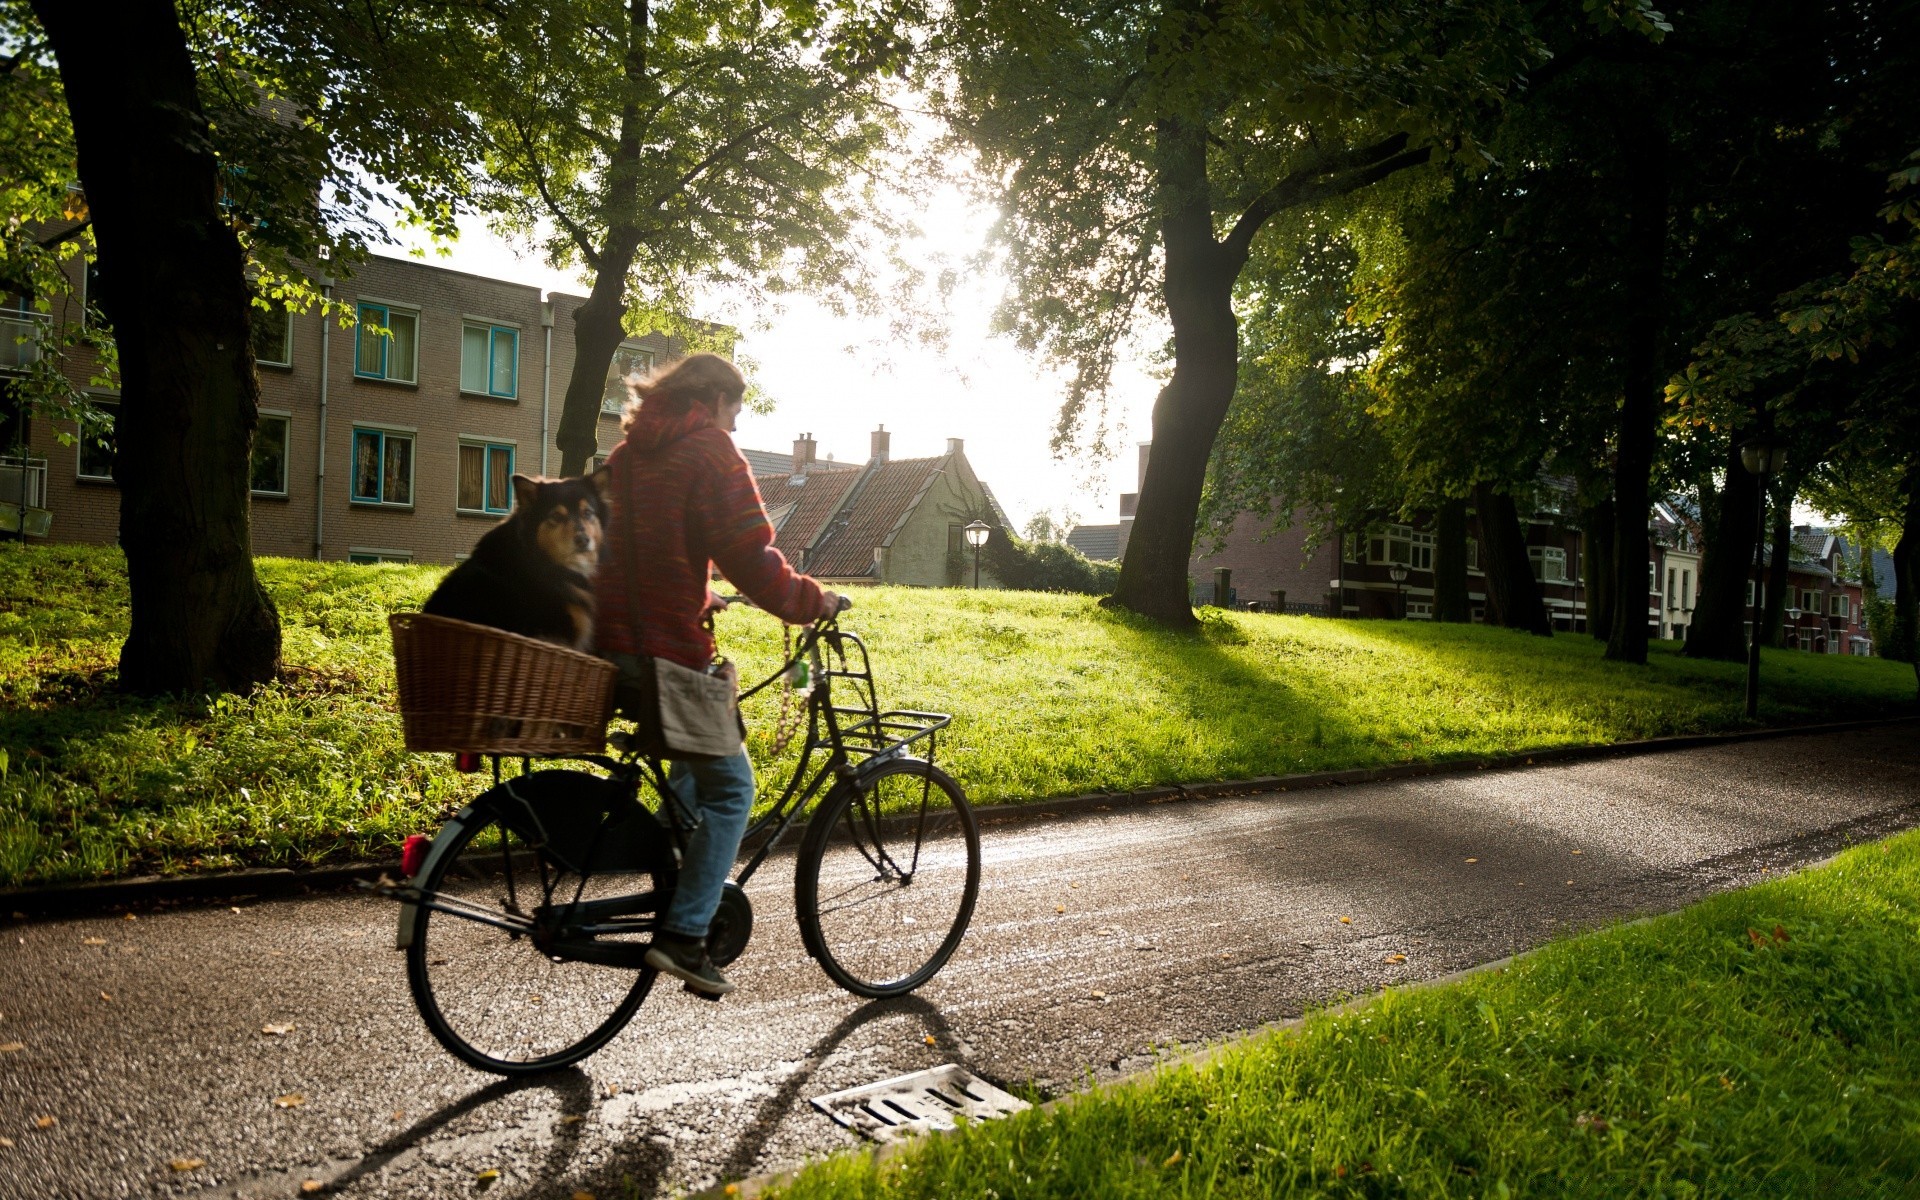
(684, 501)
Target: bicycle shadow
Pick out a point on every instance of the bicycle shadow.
(746, 1150)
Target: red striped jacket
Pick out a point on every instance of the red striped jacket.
(684, 501)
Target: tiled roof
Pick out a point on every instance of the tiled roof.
(807, 506)
(1098, 542)
(887, 492)
(773, 462)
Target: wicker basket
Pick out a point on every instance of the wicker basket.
(466, 687)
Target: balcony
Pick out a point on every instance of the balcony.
(23, 497)
(20, 334)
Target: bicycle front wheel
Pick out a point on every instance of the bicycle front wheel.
(489, 995)
(887, 877)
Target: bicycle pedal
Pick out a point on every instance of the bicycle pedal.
(695, 992)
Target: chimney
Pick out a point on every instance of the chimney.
(880, 439)
(1129, 504)
(802, 453)
(1146, 449)
(956, 446)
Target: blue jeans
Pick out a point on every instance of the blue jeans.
(721, 791)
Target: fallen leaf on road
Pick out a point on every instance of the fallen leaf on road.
(187, 1164)
(584, 1196)
(486, 1177)
(613, 1089)
(106, 995)
(572, 1119)
(1473, 860)
(6, 1143)
(1346, 920)
(1097, 994)
(12, 1047)
(236, 910)
(129, 917)
(1073, 885)
(94, 941)
(277, 1030)
(290, 1100)
(308, 1186)
(45, 1122)
(1059, 908)
(1396, 958)
(399, 1114)
(930, 1039)
(1576, 852)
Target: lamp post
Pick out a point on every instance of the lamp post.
(977, 534)
(1763, 456)
(1399, 577)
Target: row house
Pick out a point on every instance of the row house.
(1824, 611)
(391, 439)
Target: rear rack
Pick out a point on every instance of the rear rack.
(867, 734)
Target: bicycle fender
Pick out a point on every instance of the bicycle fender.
(442, 842)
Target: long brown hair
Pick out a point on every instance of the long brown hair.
(696, 379)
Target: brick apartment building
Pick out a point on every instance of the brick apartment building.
(390, 440)
(1308, 567)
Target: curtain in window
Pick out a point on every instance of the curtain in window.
(270, 455)
(473, 360)
(366, 466)
(400, 354)
(473, 477)
(370, 347)
(499, 478)
(397, 481)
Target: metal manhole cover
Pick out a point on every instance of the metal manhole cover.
(897, 1108)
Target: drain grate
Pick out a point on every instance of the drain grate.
(897, 1108)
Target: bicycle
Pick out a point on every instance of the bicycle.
(532, 910)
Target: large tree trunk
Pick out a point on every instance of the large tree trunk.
(1206, 363)
(1450, 563)
(1598, 570)
(1642, 391)
(1779, 552)
(1730, 529)
(1513, 595)
(174, 286)
(599, 324)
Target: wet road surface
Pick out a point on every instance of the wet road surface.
(1099, 942)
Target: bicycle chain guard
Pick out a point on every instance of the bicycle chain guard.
(731, 927)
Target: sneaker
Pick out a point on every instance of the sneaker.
(688, 962)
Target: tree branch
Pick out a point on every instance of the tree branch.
(1335, 175)
(582, 240)
(67, 234)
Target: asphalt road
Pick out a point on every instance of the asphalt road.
(1099, 942)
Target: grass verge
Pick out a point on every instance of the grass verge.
(1763, 1043)
(1051, 695)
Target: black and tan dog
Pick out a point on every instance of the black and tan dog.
(532, 574)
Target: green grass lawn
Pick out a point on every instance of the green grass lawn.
(1050, 695)
(1763, 1043)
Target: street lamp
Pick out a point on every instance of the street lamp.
(1762, 456)
(977, 534)
(1399, 577)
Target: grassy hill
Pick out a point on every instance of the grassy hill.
(1050, 694)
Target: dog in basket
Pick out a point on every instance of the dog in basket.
(532, 574)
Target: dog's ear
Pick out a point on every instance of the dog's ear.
(525, 489)
(602, 483)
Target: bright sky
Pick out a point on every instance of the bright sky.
(839, 377)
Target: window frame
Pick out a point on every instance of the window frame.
(1419, 544)
(384, 432)
(1809, 594)
(1539, 556)
(360, 325)
(1840, 605)
(493, 330)
(617, 405)
(372, 556)
(286, 337)
(286, 454)
(80, 443)
(487, 446)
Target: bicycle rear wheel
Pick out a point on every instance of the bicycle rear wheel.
(887, 877)
(488, 994)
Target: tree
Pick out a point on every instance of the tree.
(199, 617)
(1139, 149)
(664, 146)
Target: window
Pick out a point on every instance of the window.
(1402, 545)
(270, 455)
(1653, 578)
(382, 467)
(1473, 554)
(1842, 605)
(489, 360)
(97, 443)
(272, 335)
(368, 558)
(1549, 563)
(386, 343)
(1809, 600)
(1749, 592)
(486, 475)
(1419, 610)
(1686, 589)
(627, 360)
